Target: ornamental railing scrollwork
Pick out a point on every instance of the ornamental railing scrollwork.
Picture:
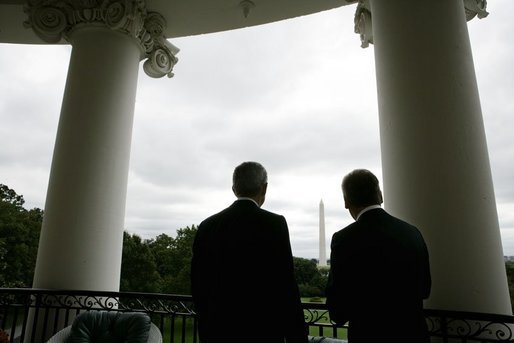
(314, 316)
(470, 327)
(55, 20)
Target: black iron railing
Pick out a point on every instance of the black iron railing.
(469, 326)
(32, 315)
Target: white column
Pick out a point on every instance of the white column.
(436, 168)
(80, 246)
(82, 233)
(322, 241)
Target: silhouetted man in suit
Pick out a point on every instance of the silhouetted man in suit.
(242, 275)
(379, 270)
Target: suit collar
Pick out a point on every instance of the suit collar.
(244, 200)
(367, 209)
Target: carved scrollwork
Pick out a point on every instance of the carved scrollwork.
(48, 23)
(475, 8)
(160, 52)
(159, 63)
(116, 16)
(363, 24)
(55, 20)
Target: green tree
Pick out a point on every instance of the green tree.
(9, 196)
(311, 280)
(173, 257)
(3, 264)
(19, 239)
(305, 270)
(138, 267)
(320, 280)
(162, 250)
(509, 266)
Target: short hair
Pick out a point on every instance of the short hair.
(248, 179)
(361, 188)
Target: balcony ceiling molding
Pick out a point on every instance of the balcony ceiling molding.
(184, 17)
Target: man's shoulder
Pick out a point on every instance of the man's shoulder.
(213, 218)
(397, 228)
(382, 217)
(400, 223)
(347, 231)
(269, 213)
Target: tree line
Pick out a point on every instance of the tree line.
(157, 265)
(163, 265)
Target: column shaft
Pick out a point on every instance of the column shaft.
(436, 168)
(82, 234)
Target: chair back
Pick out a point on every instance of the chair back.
(109, 326)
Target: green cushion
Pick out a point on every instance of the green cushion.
(109, 327)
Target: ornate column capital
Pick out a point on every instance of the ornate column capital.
(364, 26)
(475, 8)
(160, 52)
(55, 20)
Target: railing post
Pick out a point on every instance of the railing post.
(444, 328)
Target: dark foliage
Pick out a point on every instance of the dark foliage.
(160, 265)
(509, 266)
(311, 279)
(19, 239)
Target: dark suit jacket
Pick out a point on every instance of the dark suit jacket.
(379, 276)
(242, 276)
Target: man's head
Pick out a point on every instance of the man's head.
(250, 180)
(360, 189)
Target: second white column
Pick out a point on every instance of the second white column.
(436, 168)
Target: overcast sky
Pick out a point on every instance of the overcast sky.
(299, 96)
